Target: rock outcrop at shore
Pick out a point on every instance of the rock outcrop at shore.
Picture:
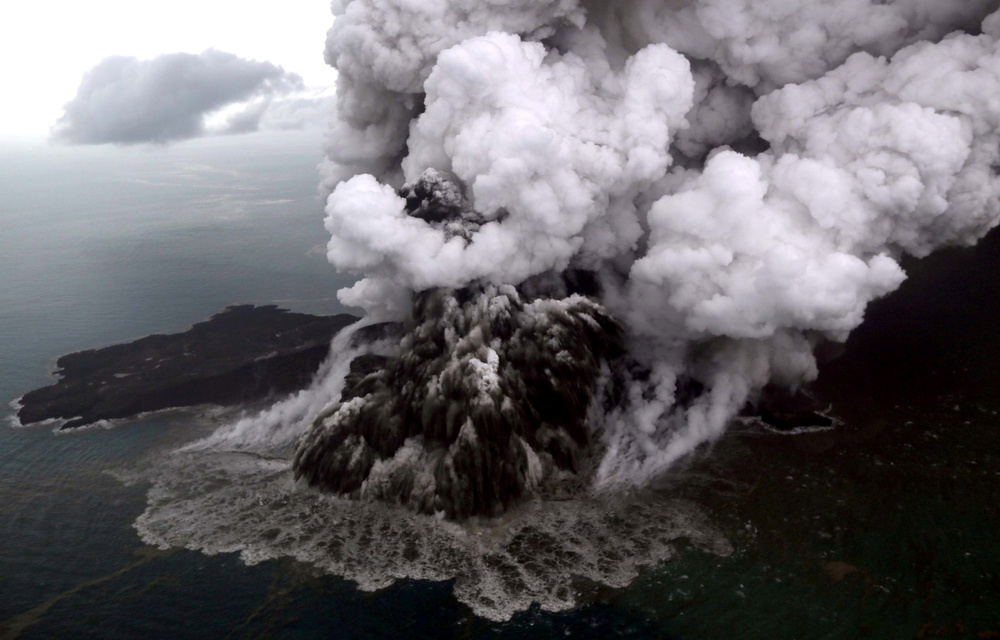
(242, 354)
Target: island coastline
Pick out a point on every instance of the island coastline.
(243, 354)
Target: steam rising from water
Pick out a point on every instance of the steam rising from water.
(281, 425)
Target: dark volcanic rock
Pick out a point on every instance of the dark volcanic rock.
(244, 353)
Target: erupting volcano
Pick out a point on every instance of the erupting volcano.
(587, 236)
(607, 226)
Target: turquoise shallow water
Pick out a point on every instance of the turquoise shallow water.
(887, 528)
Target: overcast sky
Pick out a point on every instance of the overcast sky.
(47, 46)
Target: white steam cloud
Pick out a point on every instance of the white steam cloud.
(743, 175)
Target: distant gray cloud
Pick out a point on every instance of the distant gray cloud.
(129, 101)
(306, 109)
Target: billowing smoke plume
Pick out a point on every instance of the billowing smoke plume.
(740, 178)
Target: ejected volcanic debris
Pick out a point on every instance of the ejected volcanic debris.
(487, 397)
(244, 353)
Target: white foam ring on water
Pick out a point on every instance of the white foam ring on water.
(234, 492)
(224, 501)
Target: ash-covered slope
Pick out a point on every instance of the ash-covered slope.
(244, 353)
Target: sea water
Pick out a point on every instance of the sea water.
(886, 527)
(102, 245)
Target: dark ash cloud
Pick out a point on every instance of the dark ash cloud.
(125, 100)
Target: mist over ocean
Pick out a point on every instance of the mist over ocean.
(885, 527)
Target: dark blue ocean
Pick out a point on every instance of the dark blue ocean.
(888, 527)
